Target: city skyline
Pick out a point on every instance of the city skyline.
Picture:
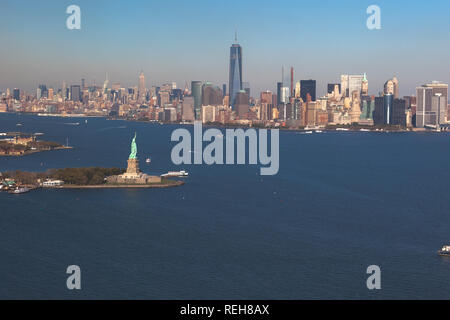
(168, 53)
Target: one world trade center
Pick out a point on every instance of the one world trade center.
(235, 72)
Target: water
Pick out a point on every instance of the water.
(341, 202)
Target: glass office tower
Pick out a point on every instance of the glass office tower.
(235, 73)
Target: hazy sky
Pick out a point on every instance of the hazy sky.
(182, 40)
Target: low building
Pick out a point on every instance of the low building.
(52, 183)
(23, 141)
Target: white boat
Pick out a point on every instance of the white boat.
(319, 131)
(19, 124)
(148, 160)
(175, 174)
(306, 132)
(38, 134)
(445, 251)
(20, 190)
(342, 129)
(365, 130)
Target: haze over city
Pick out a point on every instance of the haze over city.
(183, 41)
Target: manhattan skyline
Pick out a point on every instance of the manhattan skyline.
(182, 42)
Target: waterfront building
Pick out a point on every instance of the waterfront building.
(430, 99)
(388, 108)
(368, 107)
(187, 109)
(399, 112)
(383, 110)
(355, 111)
(242, 105)
(209, 114)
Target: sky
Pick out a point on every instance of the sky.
(180, 41)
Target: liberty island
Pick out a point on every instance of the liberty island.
(87, 178)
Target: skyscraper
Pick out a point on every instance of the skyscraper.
(142, 90)
(75, 93)
(235, 72)
(430, 99)
(308, 87)
(196, 89)
(279, 89)
(63, 91)
(16, 94)
(292, 81)
(211, 95)
(351, 83)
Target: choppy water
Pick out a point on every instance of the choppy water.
(341, 202)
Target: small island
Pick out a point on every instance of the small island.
(86, 178)
(25, 144)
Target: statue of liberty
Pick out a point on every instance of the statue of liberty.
(133, 154)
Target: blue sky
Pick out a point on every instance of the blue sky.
(181, 40)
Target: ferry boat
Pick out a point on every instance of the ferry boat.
(19, 190)
(445, 251)
(175, 174)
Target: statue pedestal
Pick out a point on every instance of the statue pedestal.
(133, 166)
(132, 169)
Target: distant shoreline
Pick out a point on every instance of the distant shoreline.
(27, 153)
(172, 184)
(331, 128)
